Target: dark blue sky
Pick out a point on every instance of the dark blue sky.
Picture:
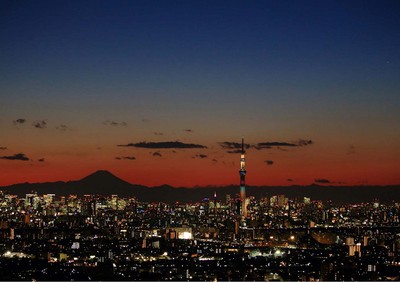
(234, 38)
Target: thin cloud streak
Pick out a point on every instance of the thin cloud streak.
(157, 154)
(233, 145)
(322, 181)
(16, 157)
(40, 124)
(125, 158)
(277, 144)
(62, 127)
(200, 156)
(163, 145)
(19, 121)
(115, 123)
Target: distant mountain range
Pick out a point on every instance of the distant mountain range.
(105, 183)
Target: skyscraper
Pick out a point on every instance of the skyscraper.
(242, 173)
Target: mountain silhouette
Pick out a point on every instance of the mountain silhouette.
(101, 175)
(103, 182)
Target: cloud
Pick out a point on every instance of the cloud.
(19, 121)
(16, 157)
(114, 123)
(3, 148)
(214, 160)
(322, 181)
(40, 124)
(188, 130)
(303, 142)
(62, 127)
(41, 160)
(237, 151)
(289, 179)
(157, 154)
(233, 147)
(125, 158)
(270, 145)
(269, 162)
(200, 156)
(351, 150)
(145, 120)
(158, 133)
(163, 145)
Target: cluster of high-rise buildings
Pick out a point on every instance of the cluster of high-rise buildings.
(284, 238)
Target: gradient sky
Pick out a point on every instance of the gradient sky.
(79, 78)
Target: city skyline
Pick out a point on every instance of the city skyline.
(162, 92)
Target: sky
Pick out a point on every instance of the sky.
(161, 92)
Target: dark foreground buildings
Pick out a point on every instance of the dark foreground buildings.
(45, 237)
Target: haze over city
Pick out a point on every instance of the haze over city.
(161, 92)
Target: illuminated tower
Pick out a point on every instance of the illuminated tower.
(242, 173)
(215, 202)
